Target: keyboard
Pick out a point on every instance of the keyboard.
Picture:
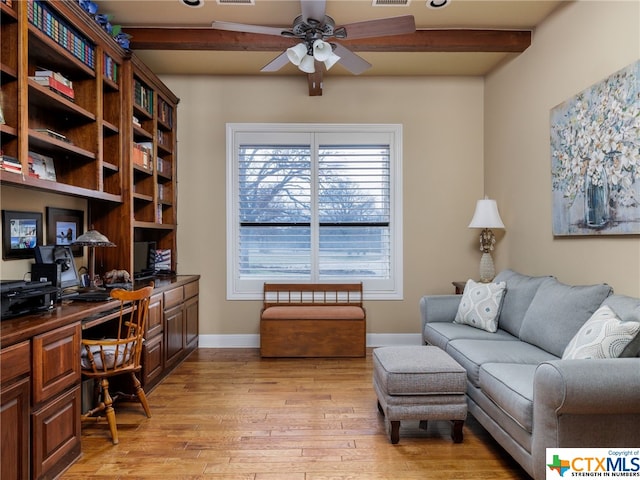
(97, 296)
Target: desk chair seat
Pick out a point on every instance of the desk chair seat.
(105, 358)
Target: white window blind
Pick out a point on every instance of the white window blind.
(313, 205)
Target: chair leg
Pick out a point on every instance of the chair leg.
(109, 411)
(140, 394)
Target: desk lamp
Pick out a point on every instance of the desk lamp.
(92, 239)
(486, 217)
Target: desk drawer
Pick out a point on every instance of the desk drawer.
(15, 361)
(173, 297)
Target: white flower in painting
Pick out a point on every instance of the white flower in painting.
(596, 139)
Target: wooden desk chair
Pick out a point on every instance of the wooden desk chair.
(106, 358)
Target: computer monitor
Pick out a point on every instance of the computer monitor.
(144, 259)
(62, 255)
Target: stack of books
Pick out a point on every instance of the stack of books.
(10, 164)
(56, 82)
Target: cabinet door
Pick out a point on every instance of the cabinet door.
(154, 321)
(56, 362)
(14, 425)
(174, 335)
(56, 434)
(152, 361)
(191, 323)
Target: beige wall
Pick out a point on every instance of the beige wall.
(580, 45)
(443, 144)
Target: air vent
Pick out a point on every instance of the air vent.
(236, 2)
(391, 3)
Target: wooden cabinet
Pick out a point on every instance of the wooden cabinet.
(181, 322)
(56, 400)
(41, 431)
(83, 117)
(15, 366)
(152, 352)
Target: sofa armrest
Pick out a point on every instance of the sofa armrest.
(585, 403)
(438, 308)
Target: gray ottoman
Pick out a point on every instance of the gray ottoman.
(419, 383)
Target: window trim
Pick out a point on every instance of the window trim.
(252, 289)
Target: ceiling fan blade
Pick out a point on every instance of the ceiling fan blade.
(314, 9)
(315, 81)
(277, 63)
(241, 27)
(349, 60)
(381, 28)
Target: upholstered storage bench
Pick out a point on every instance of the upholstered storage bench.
(312, 320)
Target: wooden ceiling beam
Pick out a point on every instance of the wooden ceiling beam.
(444, 40)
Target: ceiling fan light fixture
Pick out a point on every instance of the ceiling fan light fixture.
(307, 65)
(297, 53)
(321, 50)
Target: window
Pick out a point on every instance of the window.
(314, 203)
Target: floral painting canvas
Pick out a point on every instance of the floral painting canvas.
(595, 158)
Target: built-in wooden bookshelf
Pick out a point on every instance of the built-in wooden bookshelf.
(92, 125)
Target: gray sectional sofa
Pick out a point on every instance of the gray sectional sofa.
(518, 385)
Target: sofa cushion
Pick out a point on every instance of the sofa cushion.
(472, 354)
(517, 298)
(628, 309)
(557, 312)
(510, 387)
(480, 305)
(441, 333)
(604, 335)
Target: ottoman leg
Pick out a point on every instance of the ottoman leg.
(456, 431)
(423, 424)
(395, 431)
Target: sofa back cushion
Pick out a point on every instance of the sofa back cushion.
(517, 298)
(557, 312)
(628, 310)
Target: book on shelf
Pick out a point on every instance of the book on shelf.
(55, 86)
(140, 155)
(58, 76)
(9, 163)
(8, 3)
(41, 166)
(51, 133)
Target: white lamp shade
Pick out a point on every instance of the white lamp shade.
(331, 61)
(297, 53)
(307, 65)
(486, 215)
(321, 50)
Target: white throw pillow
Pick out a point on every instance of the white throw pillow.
(604, 335)
(480, 305)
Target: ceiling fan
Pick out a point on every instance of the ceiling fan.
(316, 32)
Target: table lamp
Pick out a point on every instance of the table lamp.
(92, 239)
(486, 217)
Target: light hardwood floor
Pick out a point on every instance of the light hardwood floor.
(228, 414)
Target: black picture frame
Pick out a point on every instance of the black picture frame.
(21, 232)
(64, 226)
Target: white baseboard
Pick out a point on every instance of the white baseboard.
(253, 340)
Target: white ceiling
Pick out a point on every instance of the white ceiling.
(457, 14)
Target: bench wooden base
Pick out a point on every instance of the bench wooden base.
(312, 338)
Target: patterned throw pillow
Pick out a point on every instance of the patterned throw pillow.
(480, 305)
(604, 335)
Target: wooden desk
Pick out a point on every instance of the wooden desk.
(40, 373)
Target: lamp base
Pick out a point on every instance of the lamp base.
(487, 268)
